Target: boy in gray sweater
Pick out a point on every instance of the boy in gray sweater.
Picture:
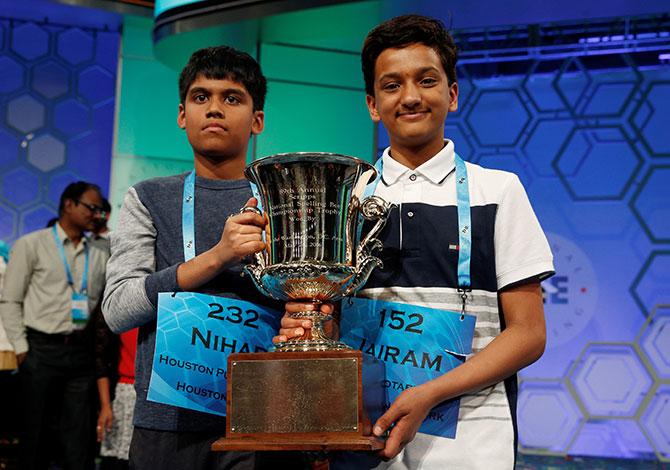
(222, 92)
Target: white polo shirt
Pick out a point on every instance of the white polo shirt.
(420, 258)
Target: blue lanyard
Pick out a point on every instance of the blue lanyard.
(188, 214)
(464, 223)
(68, 272)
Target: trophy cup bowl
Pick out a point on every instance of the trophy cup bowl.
(314, 248)
(308, 394)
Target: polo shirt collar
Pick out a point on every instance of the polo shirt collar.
(434, 170)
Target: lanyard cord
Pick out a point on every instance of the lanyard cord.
(68, 272)
(188, 214)
(464, 220)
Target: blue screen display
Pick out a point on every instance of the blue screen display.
(164, 5)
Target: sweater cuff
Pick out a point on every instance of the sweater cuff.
(20, 346)
(161, 281)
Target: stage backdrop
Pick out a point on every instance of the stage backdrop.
(315, 99)
(57, 87)
(585, 132)
(588, 137)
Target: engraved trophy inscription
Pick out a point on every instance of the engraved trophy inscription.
(315, 251)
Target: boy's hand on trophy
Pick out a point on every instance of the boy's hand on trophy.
(293, 328)
(242, 234)
(403, 419)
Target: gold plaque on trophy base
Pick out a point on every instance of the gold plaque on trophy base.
(296, 401)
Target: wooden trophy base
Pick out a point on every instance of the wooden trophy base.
(296, 401)
(303, 442)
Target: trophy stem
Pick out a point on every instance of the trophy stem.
(314, 339)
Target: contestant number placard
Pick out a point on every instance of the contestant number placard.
(416, 344)
(195, 333)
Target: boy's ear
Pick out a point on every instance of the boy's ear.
(372, 108)
(181, 117)
(453, 97)
(258, 123)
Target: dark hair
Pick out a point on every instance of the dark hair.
(106, 207)
(74, 192)
(223, 62)
(402, 31)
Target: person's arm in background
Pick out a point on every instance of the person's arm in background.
(105, 415)
(106, 357)
(17, 279)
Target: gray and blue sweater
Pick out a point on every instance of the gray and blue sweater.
(146, 249)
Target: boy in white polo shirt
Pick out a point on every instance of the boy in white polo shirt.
(410, 77)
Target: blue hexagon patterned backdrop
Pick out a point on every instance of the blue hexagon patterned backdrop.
(587, 136)
(590, 143)
(57, 86)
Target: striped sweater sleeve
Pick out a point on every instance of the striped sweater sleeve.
(132, 281)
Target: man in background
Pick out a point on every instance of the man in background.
(54, 278)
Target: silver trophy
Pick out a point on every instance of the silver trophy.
(314, 248)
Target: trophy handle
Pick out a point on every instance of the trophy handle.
(259, 259)
(372, 208)
(363, 271)
(255, 272)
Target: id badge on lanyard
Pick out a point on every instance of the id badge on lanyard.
(195, 334)
(79, 310)
(417, 344)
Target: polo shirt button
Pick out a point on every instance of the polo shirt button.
(412, 177)
(410, 214)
